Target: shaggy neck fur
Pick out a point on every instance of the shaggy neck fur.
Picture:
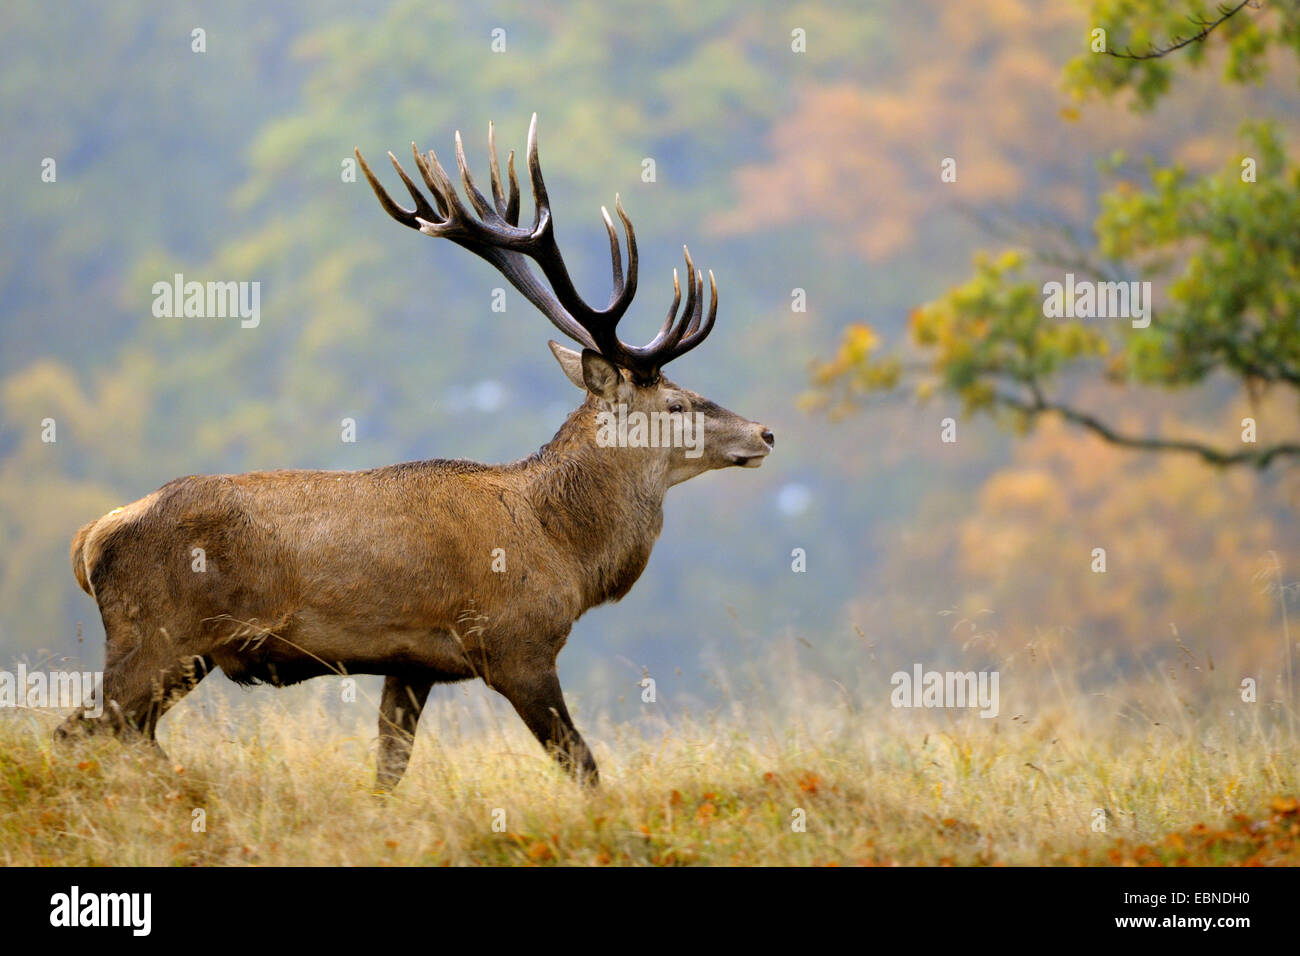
(606, 504)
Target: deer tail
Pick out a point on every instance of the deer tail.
(79, 560)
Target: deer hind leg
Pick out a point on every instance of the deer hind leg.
(399, 715)
(143, 679)
(538, 700)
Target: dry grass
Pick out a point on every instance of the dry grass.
(290, 785)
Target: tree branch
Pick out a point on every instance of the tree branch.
(1259, 458)
(1206, 28)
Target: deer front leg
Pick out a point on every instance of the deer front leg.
(399, 714)
(537, 699)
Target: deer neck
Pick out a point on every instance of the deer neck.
(603, 505)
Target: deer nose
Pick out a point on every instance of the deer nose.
(769, 438)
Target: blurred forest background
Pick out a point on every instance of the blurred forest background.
(783, 170)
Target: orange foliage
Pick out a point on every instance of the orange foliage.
(863, 152)
(1272, 840)
(1186, 550)
(867, 154)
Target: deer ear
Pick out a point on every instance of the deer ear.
(571, 362)
(589, 370)
(600, 376)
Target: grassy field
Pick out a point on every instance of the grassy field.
(284, 778)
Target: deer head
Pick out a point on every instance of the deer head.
(625, 382)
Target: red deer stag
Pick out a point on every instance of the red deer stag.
(428, 571)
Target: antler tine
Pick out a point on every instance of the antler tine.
(494, 170)
(694, 295)
(512, 206)
(541, 201)
(481, 205)
(407, 217)
(506, 209)
(694, 301)
(422, 207)
(439, 183)
(615, 253)
(699, 304)
(632, 260)
(672, 309)
(601, 325)
(699, 332)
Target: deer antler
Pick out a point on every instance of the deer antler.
(495, 235)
